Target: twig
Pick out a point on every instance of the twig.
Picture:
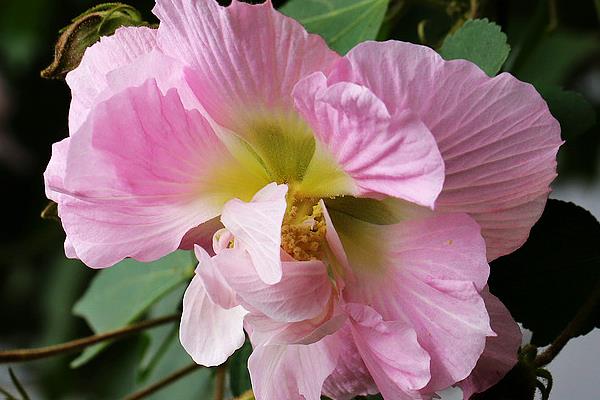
(20, 388)
(7, 395)
(220, 382)
(155, 387)
(552, 16)
(77, 344)
(572, 330)
(473, 9)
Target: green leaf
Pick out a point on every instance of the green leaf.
(479, 41)
(159, 338)
(571, 109)
(518, 383)
(196, 385)
(342, 23)
(123, 293)
(238, 370)
(368, 210)
(545, 282)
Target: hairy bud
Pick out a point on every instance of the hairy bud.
(86, 30)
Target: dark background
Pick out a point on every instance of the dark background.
(551, 46)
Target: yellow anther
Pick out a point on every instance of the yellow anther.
(303, 236)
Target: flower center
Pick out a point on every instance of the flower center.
(303, 231)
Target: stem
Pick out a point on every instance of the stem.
(572, 330)
(395, 9)
(552, 16)
(7, 395)
(20, 389)
(155, 387)
(220, 382)
(77, 344)
(474, 9)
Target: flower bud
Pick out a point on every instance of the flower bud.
(86, 30)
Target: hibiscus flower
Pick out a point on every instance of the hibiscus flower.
(345, 208)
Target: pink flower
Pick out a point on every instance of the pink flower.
(353, 202)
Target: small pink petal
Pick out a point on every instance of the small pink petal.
(208, 332)
(390, 350)
(389, 154)
(69, 249)
(201, 235)
(257, 227)
(243, 57)
(496, 135)
(334, 243)
(216, 286)
(500, 353)
(55, 171)
(291, 372)
(302, 293)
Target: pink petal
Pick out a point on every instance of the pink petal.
(256, 225)
(201, 235)
(390, 350)
(244, 57)
(496, 135)
(427, 272)
(137, 177)
(385, 153)
(55, 171)
(216, 286)
(69, 249)
(452, 325)
(500, 353)
(291, 372)
(302, 293)
(351, 377)
(340, 259)
(88, 80)
(266, 331)
(208, 332)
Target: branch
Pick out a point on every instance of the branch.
(474, 9)
(155, 387)
(220, 382)
(77, 344)
(7, 395)
(572, 330)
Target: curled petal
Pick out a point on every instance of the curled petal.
(496, 135)
(302, 293)
(384, 153)
(208, 332)
(216, 286)
(256, 226)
